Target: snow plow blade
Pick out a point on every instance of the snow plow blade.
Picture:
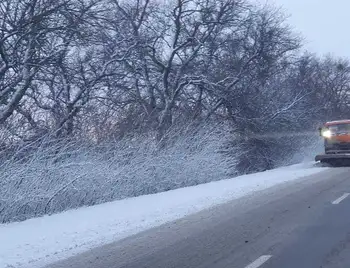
(334, 159)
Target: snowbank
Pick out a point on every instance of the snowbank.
(39, 241)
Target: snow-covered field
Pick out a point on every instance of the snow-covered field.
(36, 242)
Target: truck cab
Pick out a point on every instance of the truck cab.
(336, 136)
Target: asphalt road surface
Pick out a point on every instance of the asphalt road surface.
(301, 224)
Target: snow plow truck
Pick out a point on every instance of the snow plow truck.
(336, 135)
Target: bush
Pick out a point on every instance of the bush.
(50, 176)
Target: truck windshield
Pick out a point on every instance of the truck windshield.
(340, 128)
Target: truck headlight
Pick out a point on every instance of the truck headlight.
(327, 133)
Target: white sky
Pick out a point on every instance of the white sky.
(324, 24)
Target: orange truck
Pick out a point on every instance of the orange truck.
(336, 135)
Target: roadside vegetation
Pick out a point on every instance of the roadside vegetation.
(107, 99)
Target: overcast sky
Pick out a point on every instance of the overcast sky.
(324, 24)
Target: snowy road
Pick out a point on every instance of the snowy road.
(41, 241)
(304, 223)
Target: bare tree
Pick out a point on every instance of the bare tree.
(63, 87)
(168, 42)
(25, 28)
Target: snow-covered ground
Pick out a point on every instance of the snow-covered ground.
(39, 241)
